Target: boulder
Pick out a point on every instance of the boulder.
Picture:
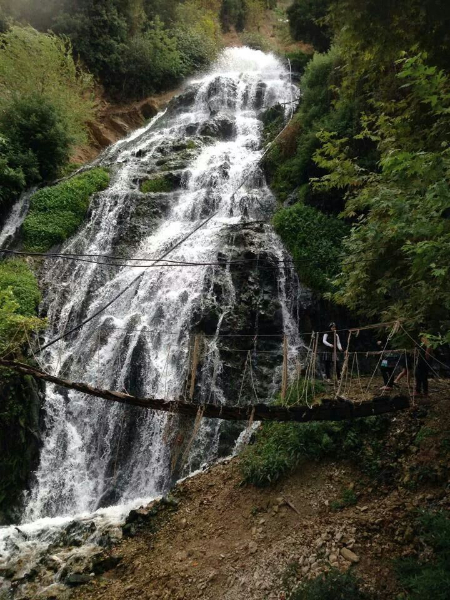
(349, 555)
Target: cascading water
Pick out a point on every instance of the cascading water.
(207, 145)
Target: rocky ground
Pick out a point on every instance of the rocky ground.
(218, 539)
(215, 538)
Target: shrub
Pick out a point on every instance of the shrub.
(280, 447)
(306, 20)
(331, 586)
(314, 240)
(33, 125)
(15, 169)
(151, 61)
(54, 76)
(299, 60)
(348, 498)
(196, 50)
(57, 212)
(19, 299)
(17, 276)
(429, 579)
(255, 40)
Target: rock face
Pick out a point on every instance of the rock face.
(20, 441)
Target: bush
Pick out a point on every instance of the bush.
(299, 60)
(19, 299)
(331, 586)
(306, 20)
(57, 212)
(196, 50)
(255, 40)
(314, 240)
(280, 447)
(430, 579)
(33, 125)
(16, 276)
(151, 62)
(15, 169)
(53, 76)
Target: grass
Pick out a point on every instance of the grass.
(331, 586)
(57, 212)
(280, 447)
(348, 498)
(429, 578)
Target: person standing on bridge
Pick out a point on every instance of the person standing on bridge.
(331, 359)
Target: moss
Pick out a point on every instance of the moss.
(157, 185)
(56, 212)
(16, 275)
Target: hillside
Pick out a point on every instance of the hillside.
(220, 539)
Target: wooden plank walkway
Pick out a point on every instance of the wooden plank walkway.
(329, 410)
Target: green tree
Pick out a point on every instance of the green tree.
(151, 61)
(32, 124)
(401, 234)
(35, 63)
(308, 23)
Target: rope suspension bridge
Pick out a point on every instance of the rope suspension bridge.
(303, 396)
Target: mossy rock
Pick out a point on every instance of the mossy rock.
(57, 212)
(158, 185)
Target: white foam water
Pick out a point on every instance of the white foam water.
(96, 454)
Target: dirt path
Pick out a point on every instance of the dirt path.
(225, 541)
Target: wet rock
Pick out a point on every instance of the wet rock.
(53, 592)
(129, 530)
(104, 564)
(219, 128)
(170, 501)
(149, 109)
(75, 579)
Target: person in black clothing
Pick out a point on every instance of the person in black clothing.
(423, 368)
(331, 359)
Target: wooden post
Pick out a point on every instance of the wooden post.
(334, 356)
(284, 378)
(345, 365)
(195, 361)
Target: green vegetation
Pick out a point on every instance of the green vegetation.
(55, 77)
(331, 586)
(32, 125)
(369, 144)
(429, 578)
(307, 19)
(315, 242)
(299, 60)
(134, 47)
(291, 164)
(43, 109)
(348, 498)
(280, 447)
(57, 212)
(157, 185)
(19, 299)
(19, 410)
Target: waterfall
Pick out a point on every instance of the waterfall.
(207, 144)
